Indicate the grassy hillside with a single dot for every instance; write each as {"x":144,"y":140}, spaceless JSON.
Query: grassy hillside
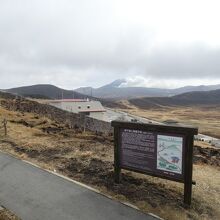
{"x":185,"y":99}
{"x":205,"y":117}
{"x":88,"y":158}
{"x":47,"y":91}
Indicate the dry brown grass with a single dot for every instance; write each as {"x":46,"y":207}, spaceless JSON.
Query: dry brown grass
{"x":7,"y":215}
{"x":88,"y":158}
{"x":206,"y":118}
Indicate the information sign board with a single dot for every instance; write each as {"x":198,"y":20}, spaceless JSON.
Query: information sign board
{"x":157,"y":150}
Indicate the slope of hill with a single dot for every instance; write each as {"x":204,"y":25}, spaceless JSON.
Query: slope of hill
{"x":196,"y":88}
{"x":113,"y":91}
{"x":116,"y":90}
{"x":46,"y":91}
{"x":185,"y":99}
{"x":38,"y":136}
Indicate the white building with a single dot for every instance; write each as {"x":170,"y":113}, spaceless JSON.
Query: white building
{"x":216,"y":143}
{"x":82,"y":106}
{"x":206,"y":138}
{"x":94,"y":109}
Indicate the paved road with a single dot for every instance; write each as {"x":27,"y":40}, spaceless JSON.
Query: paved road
{"x":35,"y":194}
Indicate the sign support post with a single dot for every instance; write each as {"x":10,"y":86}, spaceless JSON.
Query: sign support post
{"x":188,"y":172}
{"x":117,"y":169}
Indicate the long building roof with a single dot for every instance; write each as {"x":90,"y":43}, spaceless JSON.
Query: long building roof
{"x":69,"y":100}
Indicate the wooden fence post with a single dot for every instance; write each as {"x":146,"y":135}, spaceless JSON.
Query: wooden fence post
{"x":4,"y":122}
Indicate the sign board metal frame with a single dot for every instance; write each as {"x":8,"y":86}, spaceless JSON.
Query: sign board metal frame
{"x":187,"y":134}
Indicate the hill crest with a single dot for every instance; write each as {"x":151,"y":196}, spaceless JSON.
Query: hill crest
{"x":185,"y":99}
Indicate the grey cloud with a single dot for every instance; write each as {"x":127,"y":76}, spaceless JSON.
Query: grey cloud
{"x":188,"y":62}
{"x":42,"y":42}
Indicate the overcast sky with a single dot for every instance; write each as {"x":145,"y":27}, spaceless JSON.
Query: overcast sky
{"x":72,"y":43}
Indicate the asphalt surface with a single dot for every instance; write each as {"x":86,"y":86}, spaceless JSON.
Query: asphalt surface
{"x":34,"y":194}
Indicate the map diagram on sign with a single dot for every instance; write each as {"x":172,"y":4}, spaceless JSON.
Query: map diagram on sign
{"x":169,"y":153}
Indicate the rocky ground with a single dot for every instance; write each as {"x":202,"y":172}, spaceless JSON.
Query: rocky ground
{"x":88,"y":157}
{"x":208,"y":155}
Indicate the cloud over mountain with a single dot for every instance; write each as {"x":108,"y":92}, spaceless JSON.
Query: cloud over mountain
{"x":78,"y":43}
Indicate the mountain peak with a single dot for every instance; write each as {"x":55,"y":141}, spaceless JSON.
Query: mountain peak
{"x":118,"y":82}
{"x":114,"y":84}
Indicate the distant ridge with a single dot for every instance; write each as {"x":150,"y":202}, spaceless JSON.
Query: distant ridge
{"x":115,"y":90}
{"x":46,"y":91}
{"x":185,"y":99}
